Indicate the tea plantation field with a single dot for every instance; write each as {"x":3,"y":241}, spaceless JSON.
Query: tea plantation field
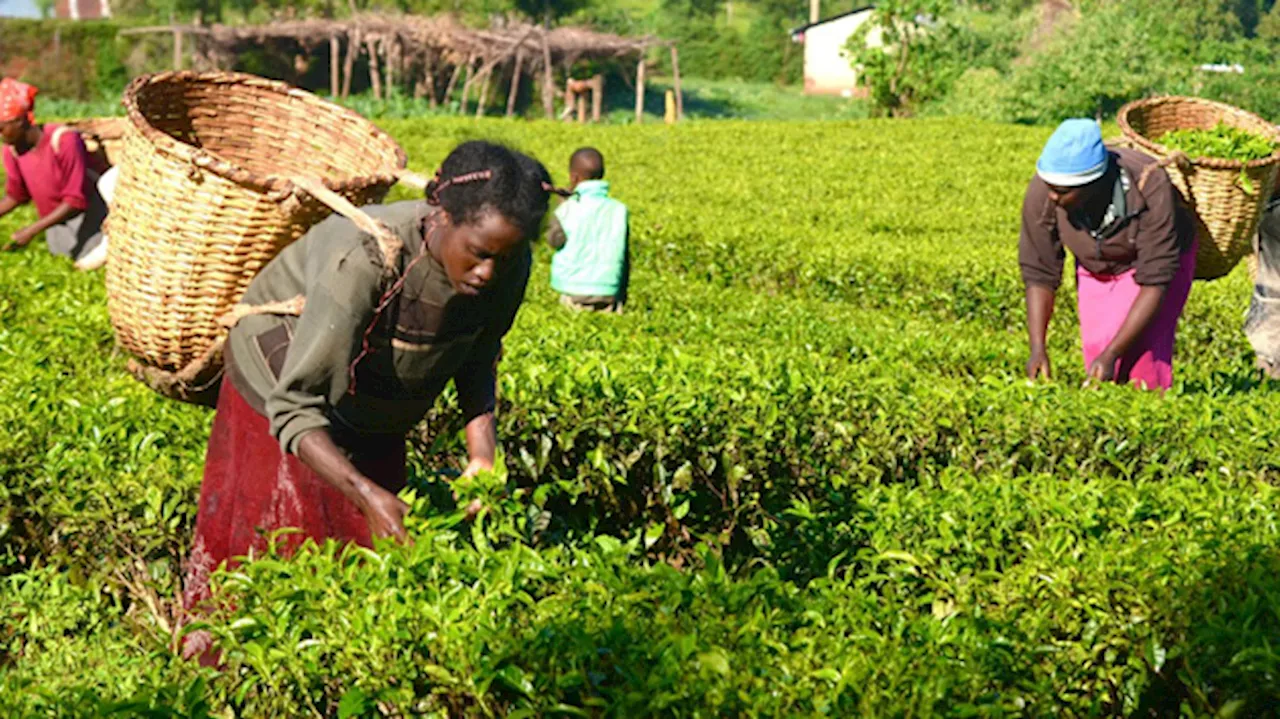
{"x":802,"y":475}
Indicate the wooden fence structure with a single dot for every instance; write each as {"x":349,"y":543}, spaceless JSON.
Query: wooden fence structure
{"x":437,"y":57}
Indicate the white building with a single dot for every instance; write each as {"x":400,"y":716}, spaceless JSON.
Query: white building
{"x":827,"y":67}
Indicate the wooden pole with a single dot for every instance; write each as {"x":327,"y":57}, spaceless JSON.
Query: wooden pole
{"x":466,"y":88}
{"x":349,"y":68}
{"x":640,"y":90}
{"x":484,"y":94}
{"x":548,"y":85}
{"x":375,"y":78}
{"x":420,"y":85}
{"x":597,"y":97}
{"x":390,"y":56}
{"x":335,"y":67}
{"x":675,"y":72}
{"x":582,"y":108}
{"x":568,"y":98}
{"x":177,"y":49}
{"x":815,"y":12}
{"x":453,"y":81}
{"x":430,"y":73}
{"x":514,"y":92}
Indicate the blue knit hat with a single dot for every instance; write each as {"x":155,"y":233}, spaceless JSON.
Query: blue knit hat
{"x":1074,"y":155}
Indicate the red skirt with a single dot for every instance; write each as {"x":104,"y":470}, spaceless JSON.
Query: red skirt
{"x":252,"y":488}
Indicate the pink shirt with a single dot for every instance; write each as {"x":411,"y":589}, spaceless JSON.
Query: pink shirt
{"x":50,"y":178}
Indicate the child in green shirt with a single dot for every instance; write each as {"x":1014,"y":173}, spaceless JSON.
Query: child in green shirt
{"x":589,"y":231}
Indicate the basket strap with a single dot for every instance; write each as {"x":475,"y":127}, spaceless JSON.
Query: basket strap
{"x":1178,"y":158}
{"x":292,"y":306}
{"x":412,"y":179}
{"x":388,"y":243}
{"x":56,"y":141}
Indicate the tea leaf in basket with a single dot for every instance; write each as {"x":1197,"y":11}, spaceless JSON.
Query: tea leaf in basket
{"x":1222,"y":142}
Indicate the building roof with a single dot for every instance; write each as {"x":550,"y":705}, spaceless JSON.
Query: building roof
{"x":800,"y":30}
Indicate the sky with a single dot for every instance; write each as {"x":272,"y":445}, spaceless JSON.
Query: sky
{"x":18,"y":8}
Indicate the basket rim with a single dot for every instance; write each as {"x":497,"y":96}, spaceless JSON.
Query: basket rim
{"x":212,"y":162}
{"x":1213,"y":163}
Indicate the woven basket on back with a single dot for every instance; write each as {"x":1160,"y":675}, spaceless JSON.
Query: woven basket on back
{"x":103,"y":136}
{"x":221,"y":171}
{"x":1226,"y":206}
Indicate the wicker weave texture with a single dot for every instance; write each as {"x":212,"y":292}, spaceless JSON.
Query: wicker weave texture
{"x":205,"y":199}
{"x":1226,"y":208}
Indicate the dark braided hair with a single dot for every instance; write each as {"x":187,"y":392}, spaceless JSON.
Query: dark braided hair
{"x":480,"y":177}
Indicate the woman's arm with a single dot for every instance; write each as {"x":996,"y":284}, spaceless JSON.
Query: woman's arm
{"x":477,"y":384}
{"x":1143,"y":311}
{"x":1039,"y":311}
{"x":383,"y":510}
{"x":8,"y":204}
{"x":482,"y":443}
{"x":60,"y":214}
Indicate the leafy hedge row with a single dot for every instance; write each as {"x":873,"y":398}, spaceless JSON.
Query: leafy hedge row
{"x":755,"y":492}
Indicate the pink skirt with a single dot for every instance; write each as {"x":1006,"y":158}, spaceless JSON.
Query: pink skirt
{"x":1104,"y":303}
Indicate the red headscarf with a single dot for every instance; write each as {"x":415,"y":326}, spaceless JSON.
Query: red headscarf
{"x":16,"y":100}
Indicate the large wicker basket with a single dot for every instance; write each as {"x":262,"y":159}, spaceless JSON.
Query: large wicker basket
{"x":1226,"y":206}
{"x":103,"y":137}
{"x":221,"y":171}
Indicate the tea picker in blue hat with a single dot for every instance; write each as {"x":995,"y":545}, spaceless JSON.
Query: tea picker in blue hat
{"x":1134,"y":247}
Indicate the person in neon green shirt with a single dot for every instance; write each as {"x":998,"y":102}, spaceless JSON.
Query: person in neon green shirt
{"x":589,"y":231}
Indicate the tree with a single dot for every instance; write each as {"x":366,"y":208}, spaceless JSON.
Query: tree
{"x":897,"y":52}
{"x":691,"y":8}
{"x":549,"y":10}
{"x":1269,"y":26}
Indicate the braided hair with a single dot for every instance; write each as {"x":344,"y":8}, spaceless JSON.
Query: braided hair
{"x":480,"y":177}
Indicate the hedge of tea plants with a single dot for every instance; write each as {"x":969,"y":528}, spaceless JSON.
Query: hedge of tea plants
{"x":802,"y":475}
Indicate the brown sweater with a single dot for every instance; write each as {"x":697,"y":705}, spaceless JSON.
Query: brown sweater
{"x":1150,"y":241}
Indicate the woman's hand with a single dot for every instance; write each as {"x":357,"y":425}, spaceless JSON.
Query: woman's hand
{"x":1103,"y":369}
{"x":23,"y":237}
{"x":474,"y":467}
{"x":385,"y":513}
{"x":477,"y":465}
{"x":1038,"y":366}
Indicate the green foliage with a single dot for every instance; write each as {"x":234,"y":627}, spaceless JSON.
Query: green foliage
{"x":64,"y":58}
{"x":802,"y":475}
{"x":1005,"y":61}
{"x":912,"y":52}
{"x":1223,"y":142}
{"x":548,"y":10}
{"x":891,"y":54}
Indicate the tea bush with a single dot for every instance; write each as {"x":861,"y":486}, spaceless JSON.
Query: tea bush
{"x":802,"y":475}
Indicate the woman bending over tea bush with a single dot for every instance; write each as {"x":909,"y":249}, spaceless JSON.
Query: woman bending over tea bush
{"x":48,"y":165}
{"x":313,"y":411}
{"x":1134,"y":246}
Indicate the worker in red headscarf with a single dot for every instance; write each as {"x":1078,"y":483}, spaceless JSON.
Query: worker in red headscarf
{"x":48,"y":165}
